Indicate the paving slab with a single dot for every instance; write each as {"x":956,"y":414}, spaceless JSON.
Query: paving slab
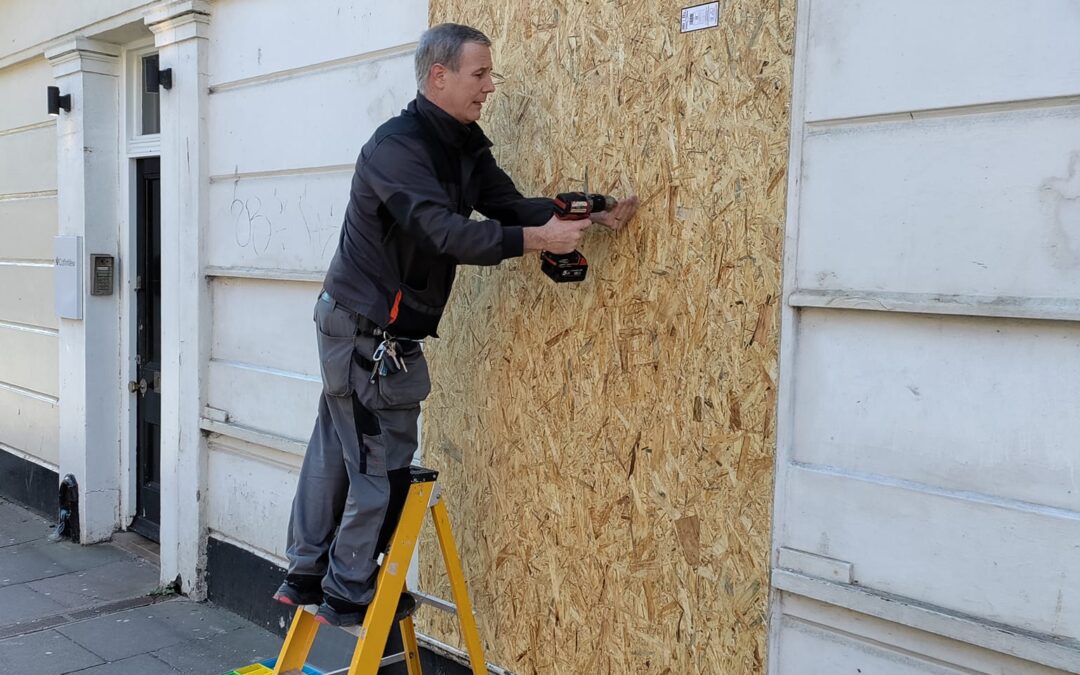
{"x":43,"y":559}
{"x":19,"y":604}
{"x":147,"y":629}
{"x":122,"y":635}
{"x":44,"y":653}
{"x":19,"y":525}
{"x":29,"y":562}
{"x":220,"y":653}
{"x":143,"y":664}
{"x":196,"y":619}
{"x":79,"y":609}
{"x":113,"y":581}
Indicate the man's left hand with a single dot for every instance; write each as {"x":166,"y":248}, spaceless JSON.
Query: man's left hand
{"x":618,"y":216}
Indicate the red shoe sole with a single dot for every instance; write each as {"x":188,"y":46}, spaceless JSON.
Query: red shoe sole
{"x":284,"y":600}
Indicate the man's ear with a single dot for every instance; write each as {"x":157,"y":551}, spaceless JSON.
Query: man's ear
{"x":437,"y":75}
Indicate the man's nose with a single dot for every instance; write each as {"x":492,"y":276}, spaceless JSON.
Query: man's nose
{"x":489,"y":86}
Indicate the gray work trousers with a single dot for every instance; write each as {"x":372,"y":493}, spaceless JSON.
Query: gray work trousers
{"x":354,"y":477}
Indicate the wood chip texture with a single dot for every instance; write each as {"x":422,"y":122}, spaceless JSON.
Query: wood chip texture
{"x":606,"y":448}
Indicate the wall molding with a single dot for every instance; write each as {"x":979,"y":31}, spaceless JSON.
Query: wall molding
{"x":1001,"y":307}
{"x":320,"y":67}
{"x":1026,"y":105}
{"x":20,"y":196}
{"x":1048,"y":650}
{"x":264,"y":274}
{"x":28,"y":127}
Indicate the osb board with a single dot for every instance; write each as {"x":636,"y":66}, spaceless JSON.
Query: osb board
{"x":606,"y":447}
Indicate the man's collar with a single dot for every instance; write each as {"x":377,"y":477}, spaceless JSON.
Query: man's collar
{"x":448,"y":129}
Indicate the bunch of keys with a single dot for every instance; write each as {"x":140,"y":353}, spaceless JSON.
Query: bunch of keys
{"x":387,"y":360}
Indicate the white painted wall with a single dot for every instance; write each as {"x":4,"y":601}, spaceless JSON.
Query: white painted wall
{"x":928,"y":463}
{"x":29,"y":381}
{"x":259,"y":135}
{"x":291,"y":104}
{"x":33,"y":24}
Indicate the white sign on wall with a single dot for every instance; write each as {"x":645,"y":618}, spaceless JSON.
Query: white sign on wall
{"x":699,"y":17}
{"x":67,"y":276}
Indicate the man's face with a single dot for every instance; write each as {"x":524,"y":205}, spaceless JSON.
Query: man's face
{"x":462,"y":93}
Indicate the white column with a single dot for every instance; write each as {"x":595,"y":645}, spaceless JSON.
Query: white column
{"x":88,"y":195}
{"x":180,"y":34}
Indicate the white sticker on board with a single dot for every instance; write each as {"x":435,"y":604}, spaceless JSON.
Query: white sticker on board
{"x":67,"y":276}
{"x":700,"y":16}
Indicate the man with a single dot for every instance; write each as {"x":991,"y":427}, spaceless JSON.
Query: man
{"x":406,"y":229}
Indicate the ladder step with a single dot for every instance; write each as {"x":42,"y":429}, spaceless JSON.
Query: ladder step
{"x":351,"y":630}
{"x":433,"y":601}
{"x":419,"y":474}
{"x":386,"y":661}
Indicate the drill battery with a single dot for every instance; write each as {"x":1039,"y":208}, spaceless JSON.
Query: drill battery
{"x":565,"y":267}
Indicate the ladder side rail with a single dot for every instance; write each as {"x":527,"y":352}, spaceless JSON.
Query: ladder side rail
{"x":390,"y":583}
{"x":469,"y":631}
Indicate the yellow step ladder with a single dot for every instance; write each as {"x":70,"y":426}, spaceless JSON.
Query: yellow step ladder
{"x":424,"y":494}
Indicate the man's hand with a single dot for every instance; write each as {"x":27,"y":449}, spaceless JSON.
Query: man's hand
{"x":557,"y":236}
{"x":618,"y":216}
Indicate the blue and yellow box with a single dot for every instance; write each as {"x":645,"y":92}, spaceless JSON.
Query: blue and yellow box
{"x":267,"y":667}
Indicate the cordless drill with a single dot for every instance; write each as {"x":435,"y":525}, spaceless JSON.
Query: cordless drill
{"x":563,"y":267}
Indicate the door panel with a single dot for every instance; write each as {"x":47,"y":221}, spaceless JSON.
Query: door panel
{"x":148,"y":358}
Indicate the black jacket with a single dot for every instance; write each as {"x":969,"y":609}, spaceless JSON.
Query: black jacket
{"x":407,"y":225}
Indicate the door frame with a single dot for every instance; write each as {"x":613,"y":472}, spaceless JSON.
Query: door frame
{"x":132,"y":149}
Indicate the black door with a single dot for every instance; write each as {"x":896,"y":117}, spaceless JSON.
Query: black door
{"x":148,"y":356}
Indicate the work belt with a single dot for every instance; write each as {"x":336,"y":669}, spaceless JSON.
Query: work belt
{"x":364,"y":326}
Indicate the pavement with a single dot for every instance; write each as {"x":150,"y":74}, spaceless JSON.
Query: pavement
{"x":98,"y":610}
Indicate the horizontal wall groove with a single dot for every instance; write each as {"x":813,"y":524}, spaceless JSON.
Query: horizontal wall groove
{"x":17,"y":196}
{"x":30,"y":328}
{"x":1033,"y":104}
{"x":264,"y":274}
{"x":1049,"y":650}
{"x":267,"y":370}
{"x":322,"y":66}
{"x":832,"y":630}
{"x":28,"y":262}
{"x":29,"y":393}
{"x":969,"y":496}
{"x":28,"y":127}
{"x":274,"y":173}
{"x":280,"y":450}
{"x":1003,"y":307}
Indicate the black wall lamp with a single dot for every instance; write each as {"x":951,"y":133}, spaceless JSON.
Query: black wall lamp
{"x":154,"y":77}
{"x":56,"y":101}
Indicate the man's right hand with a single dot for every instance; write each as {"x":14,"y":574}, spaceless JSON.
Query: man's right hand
{"x":557,"y":236}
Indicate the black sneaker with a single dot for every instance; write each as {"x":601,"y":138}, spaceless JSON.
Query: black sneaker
{"x":297,"y":593}
{"x":336,"y":612}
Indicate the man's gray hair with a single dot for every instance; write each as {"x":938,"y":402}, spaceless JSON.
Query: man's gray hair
{"x":443,"y":44}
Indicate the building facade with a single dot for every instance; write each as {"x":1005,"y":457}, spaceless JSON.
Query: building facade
{"x":927,"y":513}
{"x":164,"y":236}
{"x":207,"y":154}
